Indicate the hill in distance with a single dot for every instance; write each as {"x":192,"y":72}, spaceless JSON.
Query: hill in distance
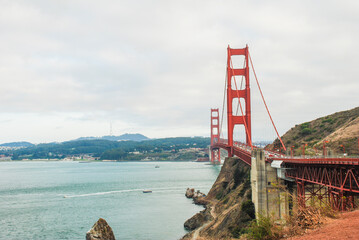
{"x":340,"y":129}
{"x":17,"y":144}
{"x":137,"y":137}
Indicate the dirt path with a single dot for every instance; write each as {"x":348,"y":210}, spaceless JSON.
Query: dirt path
{"x":214,"y":215}
{"x":346,"y":227}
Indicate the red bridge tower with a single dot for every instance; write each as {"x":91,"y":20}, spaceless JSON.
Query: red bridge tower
{"x":245,"y":118}
{"x":215,"y":152}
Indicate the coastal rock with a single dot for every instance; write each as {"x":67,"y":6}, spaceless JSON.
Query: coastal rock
{"x":197,"y":196}
{"x":100,"y":231}
{"x":189,"y":193}
{"x":198,"y":220}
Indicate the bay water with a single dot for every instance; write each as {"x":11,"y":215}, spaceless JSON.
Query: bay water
{"x":62,"y":200}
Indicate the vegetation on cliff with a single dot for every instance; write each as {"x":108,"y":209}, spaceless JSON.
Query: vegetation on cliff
{"x":229,"y":209}
{"x":340,"y":129}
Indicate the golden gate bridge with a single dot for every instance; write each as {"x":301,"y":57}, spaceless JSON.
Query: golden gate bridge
{"x":336,"y":178}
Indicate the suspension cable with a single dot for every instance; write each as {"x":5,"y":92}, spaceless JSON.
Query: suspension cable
{"x":244,"y":64}
{"x":224,"y":99}
{"x":265,"y":104}
{"x":240,"y":105}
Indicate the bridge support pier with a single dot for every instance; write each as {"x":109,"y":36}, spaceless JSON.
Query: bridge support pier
{"x":267,"y":196}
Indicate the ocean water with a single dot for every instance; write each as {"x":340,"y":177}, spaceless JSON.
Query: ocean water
{"x":62,"y":200}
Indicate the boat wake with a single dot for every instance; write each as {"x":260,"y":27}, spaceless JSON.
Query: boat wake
{"x":167,"y":189}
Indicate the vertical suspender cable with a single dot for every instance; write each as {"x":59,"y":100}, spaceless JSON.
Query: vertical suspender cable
{"x":244,"y":64}
{"x":265,"y":104}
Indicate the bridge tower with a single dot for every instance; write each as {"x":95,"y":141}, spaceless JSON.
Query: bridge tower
{"x":245,"y":118}
{"x":215,"y":152}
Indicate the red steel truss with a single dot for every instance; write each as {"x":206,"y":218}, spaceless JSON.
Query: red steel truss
{"x":341,"y":182}
{"x":215,"y":151}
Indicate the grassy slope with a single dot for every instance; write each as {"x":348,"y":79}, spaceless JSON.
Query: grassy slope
{"x":341,"y":128}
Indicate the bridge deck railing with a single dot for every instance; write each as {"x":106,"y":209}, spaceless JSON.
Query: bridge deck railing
{"x":272,"y":155}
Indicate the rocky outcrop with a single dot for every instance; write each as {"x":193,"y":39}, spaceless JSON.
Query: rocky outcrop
{"x":100,"y":231}
{"x":229,"y":203}
{"x":198,"y":220}
{"x":189,"y":193}
{"x":197,"y":196}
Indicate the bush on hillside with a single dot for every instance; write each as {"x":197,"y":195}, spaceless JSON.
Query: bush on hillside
{"x":306,"y":131}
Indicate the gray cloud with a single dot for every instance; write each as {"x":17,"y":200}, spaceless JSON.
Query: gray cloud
{"x":157,"y":67}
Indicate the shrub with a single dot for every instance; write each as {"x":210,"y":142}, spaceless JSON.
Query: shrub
{"x":328,"y":120}
{"x":245,"y":187}
{"x":304,"y":125}
{"x":248,"y":207}
{"x":306,"y":131}
{"x":219,"y":195}
{"x":264,"y":228}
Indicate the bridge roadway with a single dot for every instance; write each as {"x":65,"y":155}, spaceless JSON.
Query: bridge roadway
{"x":339,"y":174}
{"x":243,"y":151}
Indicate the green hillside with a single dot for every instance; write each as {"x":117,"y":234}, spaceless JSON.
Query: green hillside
{"x":340,"y":129}
{"x":178,"y":148}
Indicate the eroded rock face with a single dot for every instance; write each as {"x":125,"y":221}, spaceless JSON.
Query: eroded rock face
{"x":198,"y":220}
{"x":100,"y":231}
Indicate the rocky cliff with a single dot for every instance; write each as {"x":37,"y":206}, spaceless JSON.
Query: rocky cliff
{"x":229,"y":208}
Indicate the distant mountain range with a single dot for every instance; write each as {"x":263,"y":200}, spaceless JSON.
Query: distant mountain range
{"x":137,"y":137}
{"x":17,"y":144}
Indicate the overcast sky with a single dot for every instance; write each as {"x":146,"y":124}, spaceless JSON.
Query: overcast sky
{"x":69,"y":68}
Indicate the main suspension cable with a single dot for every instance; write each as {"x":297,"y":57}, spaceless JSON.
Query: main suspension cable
{"x":224,"y":99}
{"x":265,"y":104}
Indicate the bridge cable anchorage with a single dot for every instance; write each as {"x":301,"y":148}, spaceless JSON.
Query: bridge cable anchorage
{"x":239,"y":101}
{"x":264,"y":101}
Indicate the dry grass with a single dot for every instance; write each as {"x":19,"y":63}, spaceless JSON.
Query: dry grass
{"x":296,"y":223}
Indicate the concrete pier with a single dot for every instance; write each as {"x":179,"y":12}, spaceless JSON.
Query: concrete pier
{"x":267,"y":195}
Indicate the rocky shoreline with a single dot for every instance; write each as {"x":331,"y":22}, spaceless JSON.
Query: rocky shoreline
{"x":228,"y":206}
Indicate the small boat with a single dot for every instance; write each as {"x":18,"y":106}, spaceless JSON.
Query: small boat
{"x":157,"y":166}
{"x":147,"y":191}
